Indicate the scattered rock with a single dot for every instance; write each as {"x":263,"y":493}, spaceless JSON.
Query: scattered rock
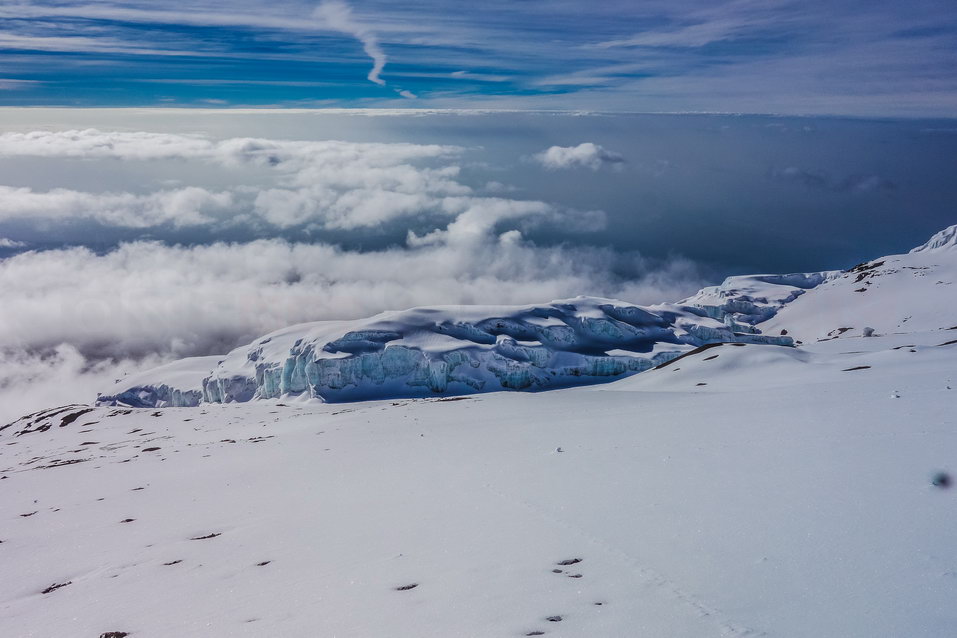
{"x":263,"y":564}
{"x":942,"y":480}
{"x":128,"y":520}
{"x":150,"y":449}
{"x":855,"y":368}
{"x":202,"y":538}
{"x":114,"y":634}
{"x":407,"y":587}
{"x":173,"y":562}
{"x":30,"y":514}
{"x":56,"y":586}
{"x":554,"y":619}
{"x":569,"y":561}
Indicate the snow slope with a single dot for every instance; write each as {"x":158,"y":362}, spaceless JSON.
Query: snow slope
{"x":912,"y":292}
{"x":786,"y":497}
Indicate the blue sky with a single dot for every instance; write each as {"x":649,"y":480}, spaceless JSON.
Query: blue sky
{"x":880,"y":59}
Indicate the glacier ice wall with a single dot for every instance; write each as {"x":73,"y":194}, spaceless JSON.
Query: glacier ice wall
{"x":449,"y":351}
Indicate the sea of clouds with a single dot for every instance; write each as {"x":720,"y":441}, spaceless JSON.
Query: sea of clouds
{"x":76,"y":317}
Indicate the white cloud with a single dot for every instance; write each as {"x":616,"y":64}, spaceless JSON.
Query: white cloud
{"x":145,"y":297}
{"x":61,"y":375}
{"x":6,"y":242}
{"x":69,"y":315}
{"x":189,"y":206}
{"x":585,"y":155}
{"x":337,"y":15}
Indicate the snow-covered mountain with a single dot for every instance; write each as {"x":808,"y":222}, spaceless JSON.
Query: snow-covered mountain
{"x":456,"y":350}
{"x":738,"y":488}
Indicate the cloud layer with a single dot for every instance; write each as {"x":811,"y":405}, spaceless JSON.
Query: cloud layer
{"x":72,"y":316}
{"x":585,"y":155}
{"x":327,"y":184}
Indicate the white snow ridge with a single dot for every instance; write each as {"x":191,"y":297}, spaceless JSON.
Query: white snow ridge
{"x":773,"y":457}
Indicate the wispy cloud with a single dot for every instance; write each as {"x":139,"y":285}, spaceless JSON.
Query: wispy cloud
{"x":337,"y":15}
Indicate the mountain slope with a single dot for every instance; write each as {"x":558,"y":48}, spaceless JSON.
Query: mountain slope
{"x":912,"y":292}
{"x":735,"y":489}
{"x":784,"y":498}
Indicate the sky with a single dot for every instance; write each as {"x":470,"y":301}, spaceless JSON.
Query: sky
{"x":837,"y":57}
{"x":177,"y":179}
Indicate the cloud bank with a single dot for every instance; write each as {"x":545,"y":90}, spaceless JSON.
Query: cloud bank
{"x":585,"y":155}
{"x":72,"y":316}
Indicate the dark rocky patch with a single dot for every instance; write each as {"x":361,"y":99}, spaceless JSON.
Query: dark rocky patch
{"x":114,"y":634}
{"x":574,"y":575}
{"x":173,"y":562}
{"x":208,"y":536}
{"x":855,"y":368}
{"x":263,"y":564}
{"x":70,"y":418}
{"x":569,"y":561}
{"x":535,"y":633}
{"x":150,"y":449}
{"x":128,"y":520}
{"x":407,"y":587}
{"x":56,"y":586}
{"x":554,"y":619}
{"x":30,"y":514}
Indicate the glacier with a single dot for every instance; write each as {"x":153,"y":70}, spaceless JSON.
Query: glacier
{"x":446,"y":350}
{"x":457,"y":350}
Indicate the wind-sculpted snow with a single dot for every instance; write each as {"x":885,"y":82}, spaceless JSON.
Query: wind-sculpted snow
{"x":946,"y":238}
{"x":743,"y":301}
{"x":449,"y":350}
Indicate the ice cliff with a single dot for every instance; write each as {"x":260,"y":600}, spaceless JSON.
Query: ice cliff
{"x":446,"y":350}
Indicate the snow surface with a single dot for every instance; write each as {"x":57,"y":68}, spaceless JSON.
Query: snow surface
{"x":914,"y":292}
{"x":787,"y":497}
{"x":735,"y":490}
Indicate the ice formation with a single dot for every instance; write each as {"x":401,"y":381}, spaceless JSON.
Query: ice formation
{"x":452,"y":350}
{"x":443,"y":351}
